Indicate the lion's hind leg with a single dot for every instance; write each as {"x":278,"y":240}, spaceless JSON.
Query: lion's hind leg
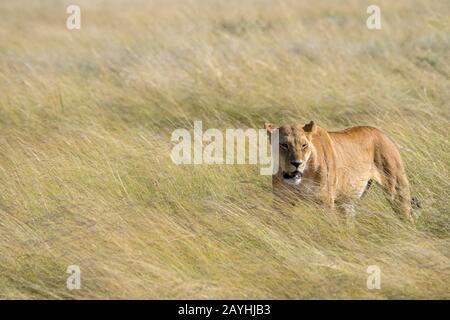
{"x":392,"y":177}
{"x":399,"y":197}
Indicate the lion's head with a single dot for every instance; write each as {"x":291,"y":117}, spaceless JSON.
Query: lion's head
{"x":295,"y":149}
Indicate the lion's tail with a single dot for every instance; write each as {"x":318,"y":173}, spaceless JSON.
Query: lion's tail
{"x":415,"y":203}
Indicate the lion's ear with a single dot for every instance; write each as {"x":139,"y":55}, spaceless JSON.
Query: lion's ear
{"x":269,"y":127}
{"x":310,"y":127}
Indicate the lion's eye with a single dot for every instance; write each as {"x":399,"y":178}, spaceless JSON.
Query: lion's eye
{"x":284,"y":145}
{"x":304,"y":145}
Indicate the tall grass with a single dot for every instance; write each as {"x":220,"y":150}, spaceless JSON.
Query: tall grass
{"x":85,"y":170}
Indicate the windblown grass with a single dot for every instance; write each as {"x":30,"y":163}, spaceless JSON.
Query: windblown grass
{"x":85,"y":170}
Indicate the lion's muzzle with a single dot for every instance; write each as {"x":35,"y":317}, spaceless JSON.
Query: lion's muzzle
{"x":293,"y":178}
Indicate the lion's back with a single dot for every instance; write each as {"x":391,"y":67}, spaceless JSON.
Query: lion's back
{"x":360,"y":139}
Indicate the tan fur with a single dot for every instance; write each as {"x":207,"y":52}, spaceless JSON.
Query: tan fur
{"x":339,"y":166}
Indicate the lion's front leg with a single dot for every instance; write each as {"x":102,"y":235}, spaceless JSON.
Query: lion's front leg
{"x":282,"y":197}
{"x":327,"y":197}
{"x":347,"y":208}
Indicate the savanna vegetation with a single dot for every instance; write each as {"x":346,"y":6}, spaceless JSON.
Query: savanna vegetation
{"x":86,"y":118}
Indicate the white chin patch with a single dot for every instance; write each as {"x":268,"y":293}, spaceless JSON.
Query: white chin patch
{"x":293,"y":181}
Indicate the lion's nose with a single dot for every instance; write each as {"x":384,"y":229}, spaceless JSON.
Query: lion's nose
{"x":296,"y":163}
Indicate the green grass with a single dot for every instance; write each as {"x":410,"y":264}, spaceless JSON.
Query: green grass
{"x":85,"y":169}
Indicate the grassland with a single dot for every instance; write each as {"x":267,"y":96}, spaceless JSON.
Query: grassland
{"x":85,"y":172}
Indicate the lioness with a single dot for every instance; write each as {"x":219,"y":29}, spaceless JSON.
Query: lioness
{"x":340,"y":166}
